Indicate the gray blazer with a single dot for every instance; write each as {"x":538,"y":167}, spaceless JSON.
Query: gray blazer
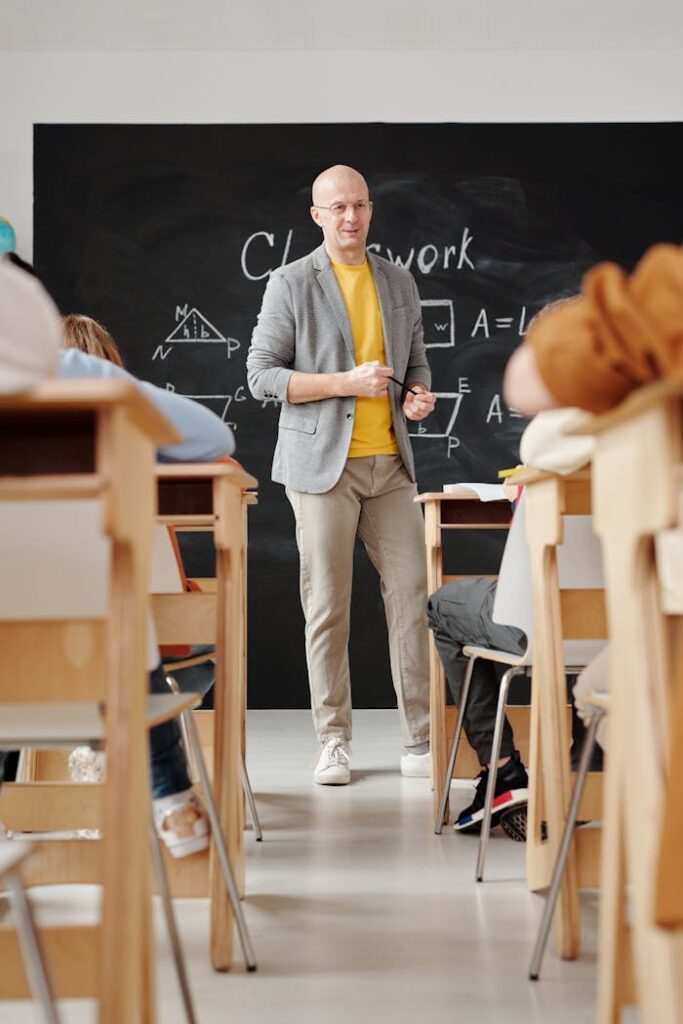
{"x":303,"y":325}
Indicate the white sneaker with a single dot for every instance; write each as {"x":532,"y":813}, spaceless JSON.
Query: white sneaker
{"x":181,"y":823}
{"x":333,"y":767}
{"x":416,"y":766}
{"x":87,"y":765}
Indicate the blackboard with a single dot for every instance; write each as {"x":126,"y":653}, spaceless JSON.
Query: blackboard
{"x":167,"y":233}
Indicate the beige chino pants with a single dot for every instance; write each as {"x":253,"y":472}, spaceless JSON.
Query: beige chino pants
{"x":374,"y":499}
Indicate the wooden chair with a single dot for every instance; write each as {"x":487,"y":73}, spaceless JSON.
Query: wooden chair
{"x":668,"y":895}
{"x":12,"y":856}
{"x":636,"y":494}
{"x":166,"y":576}
{"x":599,"y":708}
{"x":214,"y":496}
{"x":566,"y":608}
{"x":444,"y":512}
{"x":91,"y":442}
{"x":512,"y":607}
{"x":578,"y":560}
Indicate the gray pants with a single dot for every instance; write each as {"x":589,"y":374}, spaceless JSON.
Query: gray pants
{"x":460,"y":613}
{"x":374,"y":499}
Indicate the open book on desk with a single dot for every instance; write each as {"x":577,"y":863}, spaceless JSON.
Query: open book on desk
{"x":485,"y":492}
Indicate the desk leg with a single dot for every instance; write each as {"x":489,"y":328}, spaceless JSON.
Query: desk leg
{"x":614,"y":956}
{"x":242,"y":605}
{"x":228,"y":715}
{"x":437,"y":679}
{"x":544,"y":530}
{"x":125,"y":975}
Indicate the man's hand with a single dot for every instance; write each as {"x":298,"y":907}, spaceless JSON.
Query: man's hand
{"x":369,"y":380}
{"x":416,"y":407}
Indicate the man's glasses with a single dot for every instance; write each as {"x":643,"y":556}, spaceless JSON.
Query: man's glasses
{"x":338,"y":209}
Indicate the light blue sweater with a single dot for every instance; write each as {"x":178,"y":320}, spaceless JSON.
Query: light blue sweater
{"x":205,"y":436}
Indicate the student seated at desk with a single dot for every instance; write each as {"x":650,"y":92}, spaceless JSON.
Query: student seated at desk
{"x":461,"y":614}
{"x":622,"y":332}
{"x":89,"y":336}
{"x":180,"y":819}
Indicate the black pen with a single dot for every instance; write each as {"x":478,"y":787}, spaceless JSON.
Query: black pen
{"x":404,"y":386}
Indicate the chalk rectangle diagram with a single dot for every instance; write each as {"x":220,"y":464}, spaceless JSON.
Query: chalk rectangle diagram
{"x":438,"y":319}
{"x":423,"y":430}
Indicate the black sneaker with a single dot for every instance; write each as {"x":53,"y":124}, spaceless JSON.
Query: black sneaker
{"x":509,"y":800}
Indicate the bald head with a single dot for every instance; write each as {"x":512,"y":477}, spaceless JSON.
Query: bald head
{"x":339,"y":178}
{"x":342,"y":210}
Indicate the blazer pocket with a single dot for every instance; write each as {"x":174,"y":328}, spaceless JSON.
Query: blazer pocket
{"x":299,"y":418}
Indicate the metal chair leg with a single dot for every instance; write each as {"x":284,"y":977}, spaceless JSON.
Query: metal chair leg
{"x":221,"y":846}
{"x":167,"y":902}
{"x":192,"y":766}
{"x":495,"y":755}
{"x":32,"y":950}
{"x":248,"y":792}
{"x":455,"y":743}
{"x":194,"y":772}
{"x":565,"y":845}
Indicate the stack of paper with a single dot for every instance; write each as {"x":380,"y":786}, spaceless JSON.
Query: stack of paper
{"x":485,"y":492}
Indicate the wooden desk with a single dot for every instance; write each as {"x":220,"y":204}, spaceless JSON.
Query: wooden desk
{"x":214,"y":496}
{"x":94,"y":439}
{"x":449,"y":512}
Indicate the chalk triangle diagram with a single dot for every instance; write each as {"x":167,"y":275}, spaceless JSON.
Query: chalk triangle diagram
{"x":195,"y":327}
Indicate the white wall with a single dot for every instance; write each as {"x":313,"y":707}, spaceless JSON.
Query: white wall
{"x":444,"y":60}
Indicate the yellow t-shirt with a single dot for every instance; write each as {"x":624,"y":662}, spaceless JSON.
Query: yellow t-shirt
{"x":372,"y":427}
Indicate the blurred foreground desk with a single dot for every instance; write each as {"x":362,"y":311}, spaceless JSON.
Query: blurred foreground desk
{"x":92,"y":442}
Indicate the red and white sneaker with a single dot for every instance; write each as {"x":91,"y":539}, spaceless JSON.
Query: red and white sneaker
{"x":510,"y":795}
{"x":181,"y":823}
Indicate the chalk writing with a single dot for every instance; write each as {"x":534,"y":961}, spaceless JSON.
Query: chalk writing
{"x":425,"y":430}
{"x":497,"y":409}
{"x":438,"y":321}
{"x":264,"y":251}
{"x":248,"y":270}
{"x":194,"y":327}
{"x":224,"y":401}
{"x":482,"y":324}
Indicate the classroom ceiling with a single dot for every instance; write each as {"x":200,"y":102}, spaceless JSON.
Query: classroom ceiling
{"x":309,"y":25}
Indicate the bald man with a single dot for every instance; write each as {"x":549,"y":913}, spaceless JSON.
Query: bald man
{"x":334,"y":328}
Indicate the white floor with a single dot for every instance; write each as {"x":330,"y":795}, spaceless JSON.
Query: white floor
{"x":359,"y":913}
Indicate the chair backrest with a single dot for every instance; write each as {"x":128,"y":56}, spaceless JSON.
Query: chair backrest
{"x":55,"y":560}
{"x":579,"y":564}
{"x":54,"y":585}
{"x":513,"y":604}
{"x":54,"y":600}
{"x":167,"y":575}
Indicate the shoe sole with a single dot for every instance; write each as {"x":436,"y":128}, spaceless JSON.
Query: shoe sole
{"x":186,"y":847}
{"x":503,"y":804}
{"x":416,"y":773}
{"x":332,"y":782}
{"x":513,"y":823}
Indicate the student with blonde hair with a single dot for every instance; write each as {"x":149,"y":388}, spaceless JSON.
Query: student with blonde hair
{"x":89,"y":336}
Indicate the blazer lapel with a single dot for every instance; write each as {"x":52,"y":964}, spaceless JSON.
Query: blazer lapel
{"x":328,"y":283}
{"x":384,"y":307}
